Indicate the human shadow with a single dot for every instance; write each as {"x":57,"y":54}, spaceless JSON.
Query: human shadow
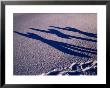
{"x":62,"y":35}
{"x":77,"y":30}
{"x":63,"y":47}
{"x":53,"y":31}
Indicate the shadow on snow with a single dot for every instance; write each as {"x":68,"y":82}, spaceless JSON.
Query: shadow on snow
{"x":64,"y":47}
{"x":62,"y":35}
{"x":76,"y":30}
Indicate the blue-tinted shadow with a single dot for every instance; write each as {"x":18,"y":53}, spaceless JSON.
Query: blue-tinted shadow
{"x":62,"y":35}
{"x":77,"y":30}
{"x":53,"y":31}
{"x":63,"y":47}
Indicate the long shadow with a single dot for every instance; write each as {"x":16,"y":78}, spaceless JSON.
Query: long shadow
{"x":83,"y":48}
{"x":64,"y":47}
{"x":53,"y":31}
{"x":77,"y":30}
{"x":62,"y":35}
